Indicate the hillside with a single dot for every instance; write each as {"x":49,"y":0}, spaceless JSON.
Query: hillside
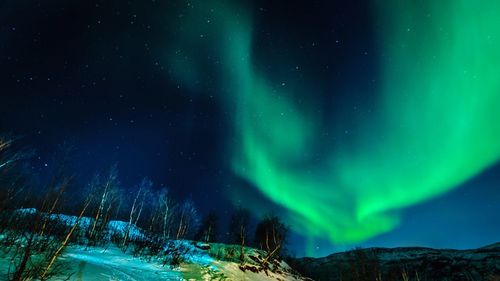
{"x":95,"y":264}
{"x":142,"y":259}
{"x":98,"y":264}
{"x":410,"y":263}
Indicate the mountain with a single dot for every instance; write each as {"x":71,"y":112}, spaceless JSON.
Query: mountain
{"x":409,"y":263}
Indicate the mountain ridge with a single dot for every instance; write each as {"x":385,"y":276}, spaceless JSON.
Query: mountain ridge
{"x":409,"y":263}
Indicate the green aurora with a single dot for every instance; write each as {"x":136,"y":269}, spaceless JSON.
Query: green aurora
{"x":434,"y":126}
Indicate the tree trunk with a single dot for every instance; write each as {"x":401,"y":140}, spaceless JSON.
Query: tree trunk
{"x":242,"y":239}
{"x":24,"y":262}
{"x":64,"y":243}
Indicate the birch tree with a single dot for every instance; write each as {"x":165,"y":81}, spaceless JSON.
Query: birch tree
{"x":106,"y":190}
{"x":238,"y":229}
{"x":187,"y":219}
{"x":270,"y":235}
{"x":165,"y":204}
{"x":161,"y":214}
{"x":208,"y":229}
{"x":143,"y":192}
{"x":64,"y":243}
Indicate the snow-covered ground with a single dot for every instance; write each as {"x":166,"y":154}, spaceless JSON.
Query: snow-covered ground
{"x":113,"y":226}
{"x":98,"y":264}
{"x":111,"y":263}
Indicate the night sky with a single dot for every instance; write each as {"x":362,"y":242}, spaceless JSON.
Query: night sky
{"x":361,"y":123}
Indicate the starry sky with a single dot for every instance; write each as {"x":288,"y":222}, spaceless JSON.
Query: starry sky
{"x":361,"y":123}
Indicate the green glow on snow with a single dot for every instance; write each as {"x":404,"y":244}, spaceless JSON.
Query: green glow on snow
{"x":435,"y":124}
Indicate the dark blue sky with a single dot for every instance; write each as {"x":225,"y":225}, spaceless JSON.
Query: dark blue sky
{"x":91,"y":74}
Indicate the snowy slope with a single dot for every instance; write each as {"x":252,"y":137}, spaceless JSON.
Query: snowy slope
{"x":98,"y":264}
{"x":111,"y":263}
{"x":113,"y":226}
{"x":427,"y":263}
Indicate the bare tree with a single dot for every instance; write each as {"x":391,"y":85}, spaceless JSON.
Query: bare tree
{"x":238,"y":229}
{"x":9,"y":156}
{"x":187,"y":219}
{"x":12,"y":177}
{"x":40,"y":238}
{"x":165,"y":204}
{"x":270,"y":235}
{"x":143,"y":191}
{"x":154,"y":218}
{"x":46,"y":272}
{"x":53,"y":200}
{"x":30,"y":226}
{"x":161,"y":214}
{"x":106,"y":190}
{"x":208,"y":228}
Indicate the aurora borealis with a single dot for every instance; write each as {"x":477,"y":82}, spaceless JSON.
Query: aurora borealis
{"x":359,"y":123}
{"x":433,"y":128}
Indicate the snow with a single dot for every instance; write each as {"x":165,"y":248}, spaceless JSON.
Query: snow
{"x":111,"y":263}
{"x":193,"y":254}
{"x":113,"y":227}
{"x":98,"y":264}
{"x":232,"y":271}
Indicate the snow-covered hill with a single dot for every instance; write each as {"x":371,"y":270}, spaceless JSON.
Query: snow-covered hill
{"x":95,"y":264}
{"x":193,"y":260}
{"x":413,"y":263}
